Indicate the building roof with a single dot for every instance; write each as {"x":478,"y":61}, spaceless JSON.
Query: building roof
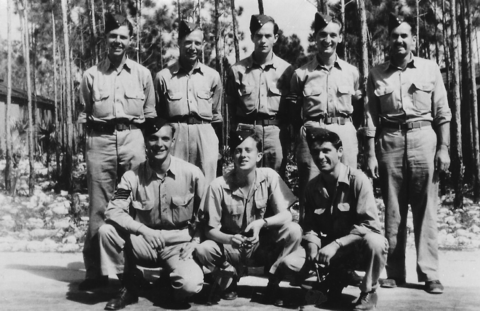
{"x":22,"y":95}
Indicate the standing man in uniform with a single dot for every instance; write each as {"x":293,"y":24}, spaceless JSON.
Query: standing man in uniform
{"x":164,"y":193}
{"x":247,"y":218}
{"x":326,"y":89}
{"x":189,"y":96}
{"x":408,"y":114}
{"x":118,"y":97}
{"x":257,"y":87}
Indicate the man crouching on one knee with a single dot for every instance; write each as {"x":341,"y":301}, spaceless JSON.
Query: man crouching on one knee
{"x":341,"y":227}
{"x":148,"y":222}
{"x":253,"y":202}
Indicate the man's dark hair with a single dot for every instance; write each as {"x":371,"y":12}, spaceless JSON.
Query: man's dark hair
{"x":320,"y":136}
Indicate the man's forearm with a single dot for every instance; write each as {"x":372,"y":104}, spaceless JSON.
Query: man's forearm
{"x":348,"y":239}
{"x":279,"y":219}
{"x":218,"y":236}
{"x":443,"y":135}
{"x":370,"y":146}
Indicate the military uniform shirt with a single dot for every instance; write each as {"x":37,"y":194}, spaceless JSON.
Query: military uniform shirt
{"x":182,"y":94}
{"x":416,"y":93}
{"x":167,"y":204}
{"x":322,"y":91}
{"x":126,"y":93}
{"x":227,"y":208}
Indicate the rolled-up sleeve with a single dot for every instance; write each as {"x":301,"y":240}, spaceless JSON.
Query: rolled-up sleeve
{"x":371,"y":108}
{"x":149,"y":91}
{"x":281,"y":197}
{"x":211,"y":206}
{"x":367,"y":215}
{"x":440,"y":111}
{"x":85,"y":97}
{"x":217,"y":97}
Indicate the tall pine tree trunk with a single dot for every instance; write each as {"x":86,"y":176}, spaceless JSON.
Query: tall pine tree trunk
{"x":93,"y":33}
{"x":235,"y":35}
{"x":8,"y":138}
{"x":69,"y":124}
{"x":474,"y":109}
{"x":56,"y":111}
{"x":457,"y":155}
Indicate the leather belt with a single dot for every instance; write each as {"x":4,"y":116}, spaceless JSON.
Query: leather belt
{"x":188,"y":120}
{"x":259,"y":120}
{"x":331,"y":120}
{"x":111,"y":127}
{"x":405,"y":126}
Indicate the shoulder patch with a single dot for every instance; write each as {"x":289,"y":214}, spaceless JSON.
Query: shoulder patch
{"x":121,"y":194}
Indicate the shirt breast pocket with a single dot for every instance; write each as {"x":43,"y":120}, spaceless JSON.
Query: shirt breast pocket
{"x":275,"y":95}
{"x":182,"y":209}
{"x":344,"y":94}
{"x":422,"y":95}
{"x":311,"y":95}
{"x":386,"y":97}
{"x":247,"y":95}
{"x":143,"y":211}
{"x":260,"y":208}
{"x":176,"y":104}
{"x":135,"y":100}
{"x":205,"y":103}
{"x":101,"y":106}
{"x":233,"y":218}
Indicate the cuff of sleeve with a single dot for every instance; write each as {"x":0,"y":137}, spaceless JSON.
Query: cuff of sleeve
{"x":136,"y":227}
{"x":370,"y":132}
{"x":312,"y":238}
{"x":439,"y":121}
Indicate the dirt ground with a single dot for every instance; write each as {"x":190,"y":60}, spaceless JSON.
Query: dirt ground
{"x":48,"y":281}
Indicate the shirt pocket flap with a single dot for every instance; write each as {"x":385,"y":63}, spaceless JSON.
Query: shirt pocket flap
{"x":174,"y":95}
{"x":344,"y":207}
{"x":134,"y":94}
{"x":345,"y":89}
{"x":245,"y":90}
{"x":182,"y":201}
{"x":204,"y":94}
{"x":383,"y":90}
{"x":141,"y":206}
{"x":311,"y":91}
{"x":426,"y":87}
{"x":274,"y":89}
{"x":100,"y":95}
{"x":319,"y":211}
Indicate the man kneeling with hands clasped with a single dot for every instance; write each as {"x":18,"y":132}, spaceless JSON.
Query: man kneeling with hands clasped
{"x":341,"y":228}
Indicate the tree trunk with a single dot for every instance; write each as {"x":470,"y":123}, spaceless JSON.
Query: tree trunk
{"x":260,"y":7}
{"x":8,"y":138}
{"x":93,"y":33}
{"x":56,"y":110}
{"x":417,"y":31}
{"x":137,"y":18}
{"x":344,"y":41}
{"x":235,"y":37}
{"x":364,"y":45}
{"x":474,"y":109}
{"x":457,"y":156}
{"x":199,"y":21}
{"x":179,"y":11}
{"x":68,"y":154}
{"x":30,"y":139}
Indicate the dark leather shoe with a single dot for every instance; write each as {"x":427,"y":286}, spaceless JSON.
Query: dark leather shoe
{"x":124,"y":298}
{"x":392,"y":282}
{"x":366,"y":301}
{"x":273,"y":295}
{"x":89,"y":284}
{"x":434,"y":287}
{"x":231,"y":292}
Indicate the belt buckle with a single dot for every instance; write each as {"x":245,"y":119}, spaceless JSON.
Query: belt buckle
{"x":328,"y":120}
{"x":410,"y":125}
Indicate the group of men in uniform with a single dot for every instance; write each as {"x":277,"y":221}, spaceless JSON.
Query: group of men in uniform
{"x":152,"y":151}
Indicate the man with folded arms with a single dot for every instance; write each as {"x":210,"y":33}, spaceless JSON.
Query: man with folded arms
{"x":150,"y":221}
{"x":409,"y":119}
{"x":341,"y":229}
{"x":118,"y":98}
{"x":189,"y":96}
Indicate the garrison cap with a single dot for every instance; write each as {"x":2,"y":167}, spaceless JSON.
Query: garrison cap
{"x":394,"y":20}
{"x":113,"y":21}
{"x":185,"y":28}
{"x":257,"y":22}
{"x":322,"y":20}
{"x":313,"y":134}
{"x":152,"y":125}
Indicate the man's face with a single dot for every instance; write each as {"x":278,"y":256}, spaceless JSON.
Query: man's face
{"x":158,"y":144}
{"x":246,"y":155}
{"x":402,"y":42}
{"x":264,"y":39}
{"x":191,"y":46}
{"x":118,"y":41}
{"x":325,"y":156}
{"x":328,"y":38}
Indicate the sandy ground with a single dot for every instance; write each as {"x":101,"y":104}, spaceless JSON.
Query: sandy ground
{"x":48,"y":281}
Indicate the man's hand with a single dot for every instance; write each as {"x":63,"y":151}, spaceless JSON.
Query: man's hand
{"x":237,"y":240}
{"x":187,"y":250}
{"x":442,"y":159}
{"x":326,"y":253}
{"x":312,"y":251}
{"x":153,"y":237}
{"x":255,"y":226}
{"x":372,"y":166}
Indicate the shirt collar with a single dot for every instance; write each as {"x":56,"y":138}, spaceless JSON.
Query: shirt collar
{"x":410,"y":64}
{"x":273,"y":62}
{"x":176,"y":68}
{"x":316,"y":64}
{"x":172,"y":169}
{"x":260,"y":177}
{"x":104,"y":66}
{"x":343,"y":177}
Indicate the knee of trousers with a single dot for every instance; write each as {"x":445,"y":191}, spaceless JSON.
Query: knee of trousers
{"x":376,"y":243}
{"x":187,"y":281}
{"x":204,"y":253}
{"x":293,"y":262}
{"x":106,"y":233}
{"x":293,"y":232}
